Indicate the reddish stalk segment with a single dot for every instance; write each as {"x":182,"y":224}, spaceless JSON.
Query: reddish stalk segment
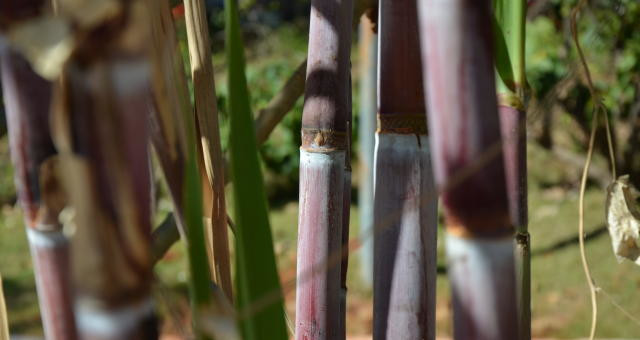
{"x":319,"y":240}
{"x":322,"y":171}
{"x":405,"y":211}
{"x":514,"y":136}
{"x":458,"y":58}
{"x":27,"y":99}
{"x":513,"y":125}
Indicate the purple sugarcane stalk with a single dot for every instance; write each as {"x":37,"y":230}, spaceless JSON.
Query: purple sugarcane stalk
{"x":465,"y":134}
{"x":405,"y":199}
{"x":322,"y":171}
{"x":513,"y":124}
{"x":27,"y":101}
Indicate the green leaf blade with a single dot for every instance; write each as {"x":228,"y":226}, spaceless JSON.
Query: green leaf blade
{"x":259,"y":297}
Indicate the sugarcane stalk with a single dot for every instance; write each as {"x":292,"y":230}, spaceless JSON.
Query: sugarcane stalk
{"x":368,"y":49}
{"x":510,"y":20}
{"x":207,"y":114}
{"x":27,"y":101}
{"x":104,"y":99}
{"x":322,"y":176}
{"x":465,"y":134}
{"x":266,"y":121}
{"x":405,"y":211}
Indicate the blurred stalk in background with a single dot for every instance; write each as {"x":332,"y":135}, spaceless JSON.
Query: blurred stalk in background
{"x":465,"y":135}
{"x":102,"y":132}
{"x":405,"y":213}
{"x":27,"y":99}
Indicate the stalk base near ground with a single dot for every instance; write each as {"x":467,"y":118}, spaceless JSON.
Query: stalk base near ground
{"x":319,"y":244}
{"x":50,"y":256}
{"x":482,"y":275}
{"x":98,"y":322}
{"x":405,"y":217}
{"x":346,"y":215}
{"x":523,"y":288}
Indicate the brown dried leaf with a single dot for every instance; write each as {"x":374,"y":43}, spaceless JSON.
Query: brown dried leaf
{"x":54,"y":197}
{"x":47,"y":42}
{"x":90,"y":13}
{"x":623,"y":220}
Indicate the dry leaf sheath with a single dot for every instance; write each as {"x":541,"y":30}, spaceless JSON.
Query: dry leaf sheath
{"x":209,"y":146}
{"x":106,"y":171}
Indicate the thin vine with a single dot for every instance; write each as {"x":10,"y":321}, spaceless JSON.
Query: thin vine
{"x":599,"y":108}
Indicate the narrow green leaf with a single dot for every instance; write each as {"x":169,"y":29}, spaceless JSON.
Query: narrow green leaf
{"x":259,"y":296}
{"x":197,"y":254}
{"x":509,"y":29}
{"x":504,"y":81}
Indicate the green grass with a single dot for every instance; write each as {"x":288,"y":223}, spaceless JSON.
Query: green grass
{"x":560,"y":295}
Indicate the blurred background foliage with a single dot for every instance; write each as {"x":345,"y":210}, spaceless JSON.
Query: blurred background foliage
{"x":559,"y":116}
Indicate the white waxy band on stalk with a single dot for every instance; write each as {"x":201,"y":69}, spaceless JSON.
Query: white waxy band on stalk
{"x":46,"y":239}
{"x":130,"y":76}
{"x":110,"y":323}
{"x":320,"y":159}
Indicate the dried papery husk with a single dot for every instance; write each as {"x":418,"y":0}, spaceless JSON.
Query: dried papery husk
{"x":47,"y":42}
{"x":210,"y":150}
{"x":170,"y":104}
{"x":623,"y":220}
